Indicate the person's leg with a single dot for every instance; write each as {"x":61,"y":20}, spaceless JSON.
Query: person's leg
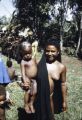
{"x":31,"y":104}
{"x":33,"y":95}
{"x":26,"y":102}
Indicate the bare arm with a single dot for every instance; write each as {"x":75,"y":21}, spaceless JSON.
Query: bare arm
{"x":25,"y":78}
{"x":22,"y":71}
{"x":64,"y":88}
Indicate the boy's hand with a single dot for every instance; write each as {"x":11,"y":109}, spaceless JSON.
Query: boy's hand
{"x":64,"y":105}
{"x":27,"y":83}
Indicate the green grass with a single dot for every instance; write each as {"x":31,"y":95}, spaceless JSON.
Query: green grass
{"x":74,"y":95}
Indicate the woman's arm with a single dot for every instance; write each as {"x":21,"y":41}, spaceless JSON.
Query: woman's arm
{"x":64,"y":88}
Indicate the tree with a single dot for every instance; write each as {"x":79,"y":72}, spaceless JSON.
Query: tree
{"x":34,"y":14}
{"x":79,"y":45}
{"x":3,"y":20}
{"x":46,"y":18}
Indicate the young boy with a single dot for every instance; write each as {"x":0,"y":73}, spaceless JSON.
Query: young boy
{"x":11,"y":70}
{"x":29,"y":71}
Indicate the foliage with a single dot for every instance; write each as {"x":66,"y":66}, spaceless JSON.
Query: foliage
{"x":37,"y":15}
{"x":73,"y":2}
{"x":45,"y":21}
{"x":3,"y":20}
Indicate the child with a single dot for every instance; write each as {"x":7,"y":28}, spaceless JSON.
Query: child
{"x":4,"y":101}
{"x":11,"y":70}
{"x":29,"y":71}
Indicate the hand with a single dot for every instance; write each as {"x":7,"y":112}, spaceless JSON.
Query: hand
{"x":27,"y":84}
{"x":2,"y":102}
{"x":64,"y":105}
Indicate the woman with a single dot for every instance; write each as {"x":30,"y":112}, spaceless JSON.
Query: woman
{"x":51,"y":81}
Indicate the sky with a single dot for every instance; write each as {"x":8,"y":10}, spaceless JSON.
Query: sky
{"x":6,"y":8}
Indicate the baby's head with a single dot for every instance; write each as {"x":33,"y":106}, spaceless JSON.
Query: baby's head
{"x":26,"y":50}
{"x":9,"y":63}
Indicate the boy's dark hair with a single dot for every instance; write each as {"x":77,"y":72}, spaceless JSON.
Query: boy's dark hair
{"x":21,"y":49}
{"x":24,"y":44}
{"x":9,"y":63}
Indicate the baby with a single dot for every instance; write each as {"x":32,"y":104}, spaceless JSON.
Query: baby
{"x":29,"y":71}
{"x":11,"y":70}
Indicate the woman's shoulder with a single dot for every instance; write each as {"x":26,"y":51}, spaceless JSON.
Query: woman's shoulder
{"x":62,"y":66}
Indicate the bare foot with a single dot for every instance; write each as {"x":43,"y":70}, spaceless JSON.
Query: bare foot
{"x":27,"y":109}
{"x":32,"y":109}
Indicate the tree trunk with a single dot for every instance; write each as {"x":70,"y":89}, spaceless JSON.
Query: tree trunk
{"x":61,"y":40}
{"x":78,"y":45}
{"x":80,"y":37}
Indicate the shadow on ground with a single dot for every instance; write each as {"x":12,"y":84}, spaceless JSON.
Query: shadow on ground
{"x":22,"y":115}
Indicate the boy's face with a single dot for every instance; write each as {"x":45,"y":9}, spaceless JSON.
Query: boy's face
{"x":27,"y":53}
{"x":51,"y":53}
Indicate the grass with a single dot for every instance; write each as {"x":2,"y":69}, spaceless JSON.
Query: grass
{"x":74,"y":95}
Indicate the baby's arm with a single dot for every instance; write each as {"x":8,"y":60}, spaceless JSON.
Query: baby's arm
{"x":25,"y":78}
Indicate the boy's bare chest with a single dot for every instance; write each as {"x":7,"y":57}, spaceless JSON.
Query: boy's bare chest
{"x":29,"y":64}
{"x":31,"y":69}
